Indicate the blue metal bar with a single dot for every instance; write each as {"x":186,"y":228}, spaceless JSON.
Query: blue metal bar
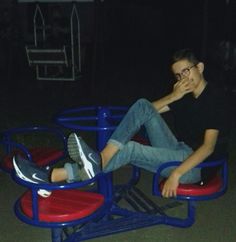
{"x":103,"y":135}
{"x":222,"y":163}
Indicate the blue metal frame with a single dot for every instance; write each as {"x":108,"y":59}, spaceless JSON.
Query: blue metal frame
{"x":57,"y":227}
{"x":191,"y":200}
{"x":10,"y":144}
{"x":116,"y":219}
{"x":106,"y":120}
{"x":224,"y":174}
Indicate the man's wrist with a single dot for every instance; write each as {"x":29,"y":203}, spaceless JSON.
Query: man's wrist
{"x":173,"y":97}
{"x":176,"y":174}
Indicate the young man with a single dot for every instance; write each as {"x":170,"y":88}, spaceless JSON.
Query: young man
{"x":201,"y":127}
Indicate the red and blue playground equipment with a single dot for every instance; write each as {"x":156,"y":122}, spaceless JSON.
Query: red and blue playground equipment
{"x":76,"y":215}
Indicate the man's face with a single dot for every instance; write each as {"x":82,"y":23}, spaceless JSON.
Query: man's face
{"x":184,"y":69}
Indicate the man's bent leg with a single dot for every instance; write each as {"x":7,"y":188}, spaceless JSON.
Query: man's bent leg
{"x":143,"y":113}
{"x":107,"y":153}
{"x":59,"y":175}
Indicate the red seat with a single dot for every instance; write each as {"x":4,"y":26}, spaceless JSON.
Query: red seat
{"x":210,"y":188}
{"x":42,"y":156}
{"x":140,"y":139}
{"x":63,"y":205}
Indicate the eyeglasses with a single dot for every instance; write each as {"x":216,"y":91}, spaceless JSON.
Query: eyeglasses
{"x":184,"y":73}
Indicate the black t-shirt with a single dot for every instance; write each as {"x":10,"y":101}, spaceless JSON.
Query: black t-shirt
{"x":193,"y":116}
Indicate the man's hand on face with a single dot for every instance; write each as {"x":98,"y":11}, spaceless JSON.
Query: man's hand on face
{"x":182,"y":87}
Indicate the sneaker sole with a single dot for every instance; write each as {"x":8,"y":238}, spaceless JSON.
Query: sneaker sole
{"x":76,"y":153}
{"x":84,"y":176}
{"x":73,"y":148}
{"x":44,"y":193}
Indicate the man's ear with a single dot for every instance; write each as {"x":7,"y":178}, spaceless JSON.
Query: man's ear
{"x":200,"y":67}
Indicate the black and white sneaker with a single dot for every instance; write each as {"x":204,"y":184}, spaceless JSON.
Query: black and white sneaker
{"x":29,"y":172}
{"x":79,"y":152}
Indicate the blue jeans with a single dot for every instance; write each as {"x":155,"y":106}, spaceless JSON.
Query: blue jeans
{"x":164,"y":145}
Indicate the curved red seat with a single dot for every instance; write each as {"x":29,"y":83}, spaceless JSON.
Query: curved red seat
{"x":210,"y":188}
{"x":63,"y":205}
{"x":140,"y":139}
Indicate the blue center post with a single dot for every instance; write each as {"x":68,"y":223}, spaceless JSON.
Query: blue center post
{"x":104,"y":127}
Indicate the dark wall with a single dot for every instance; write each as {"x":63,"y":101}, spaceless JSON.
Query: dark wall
{"x":128,"y":45}
{"x":140,"y":36}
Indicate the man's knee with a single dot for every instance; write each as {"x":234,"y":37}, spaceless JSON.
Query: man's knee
{"x":142,"y":102}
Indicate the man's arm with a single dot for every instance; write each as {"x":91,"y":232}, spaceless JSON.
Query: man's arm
{"x":206,"y":149}
{"x":179,"y":90}
{"x":161,"y":105}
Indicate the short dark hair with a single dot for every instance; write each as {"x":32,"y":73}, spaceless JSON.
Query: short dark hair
{"x":184,"y":54}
